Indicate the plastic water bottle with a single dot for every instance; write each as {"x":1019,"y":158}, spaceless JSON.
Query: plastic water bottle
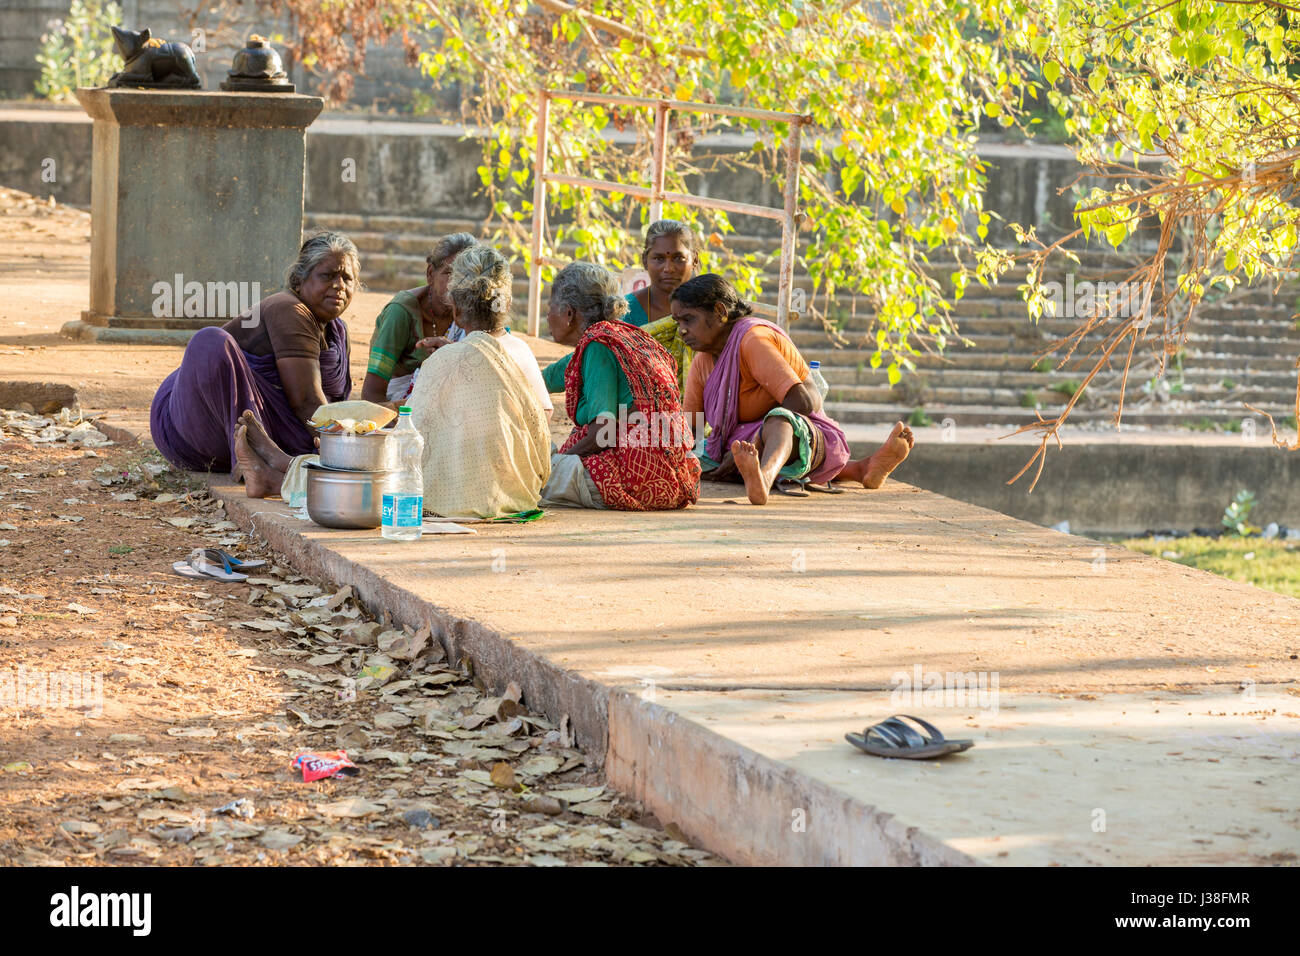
{"x":817,"y":380}
{"x":404,"y":495}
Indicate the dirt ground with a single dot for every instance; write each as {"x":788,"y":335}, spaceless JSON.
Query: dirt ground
{"x":136,"y":704}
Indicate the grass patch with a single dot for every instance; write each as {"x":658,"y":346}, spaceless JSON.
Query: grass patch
{"x":919,"y":419}
{"x":1274,"y":565}
{"x":1029,"y":398}
{"x":120,"y":549}
{"x":1067,"y":388}
{"x":1044,"y":365}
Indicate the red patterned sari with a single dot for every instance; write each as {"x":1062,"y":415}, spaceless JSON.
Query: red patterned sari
{"x":651,"y":468}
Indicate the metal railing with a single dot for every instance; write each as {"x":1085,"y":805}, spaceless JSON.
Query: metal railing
{"x":654,"y":194}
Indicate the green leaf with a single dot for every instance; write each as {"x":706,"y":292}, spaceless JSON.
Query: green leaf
{"x":1051,"y":71}
{"x":1201,"y":52}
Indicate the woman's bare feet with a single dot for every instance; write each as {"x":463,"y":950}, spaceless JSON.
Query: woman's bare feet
{"x":262,"y":444}
{"x":745,"y":456}
{"x":873,"y":471}
{"x":260,"y":479}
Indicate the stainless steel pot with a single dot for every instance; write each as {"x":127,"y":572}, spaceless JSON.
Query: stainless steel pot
{"x":345,"y":499}
{"x":354,"y":452}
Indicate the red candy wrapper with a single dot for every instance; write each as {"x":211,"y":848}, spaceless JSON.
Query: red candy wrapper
{"x":327,"y":763}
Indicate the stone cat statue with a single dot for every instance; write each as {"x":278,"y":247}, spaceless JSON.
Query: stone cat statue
{"x":154,"y":63}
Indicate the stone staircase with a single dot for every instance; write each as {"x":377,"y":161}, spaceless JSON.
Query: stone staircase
{"x":1242,"y":347}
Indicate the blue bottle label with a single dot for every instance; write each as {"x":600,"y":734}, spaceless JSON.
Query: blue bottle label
{"x":403,"y":511}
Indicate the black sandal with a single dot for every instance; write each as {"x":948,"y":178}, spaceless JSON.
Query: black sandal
{"x":826,"y":489}
{"x":791,"y":487}
{"x":893,"y":738}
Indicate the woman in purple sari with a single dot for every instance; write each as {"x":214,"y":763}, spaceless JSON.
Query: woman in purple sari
{"x":281,"y":360}
{"x":767,"y":425}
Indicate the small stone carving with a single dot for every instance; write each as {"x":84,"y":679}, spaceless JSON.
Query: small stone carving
{"x":257,"y":69}
{"x":151,"y":63}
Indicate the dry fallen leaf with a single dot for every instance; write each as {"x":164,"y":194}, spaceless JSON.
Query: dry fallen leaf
{"x":576,"y":794}
{"x":81,"y":826}
{"x":350,"y":807}
{"x":351,"y":737}
{"x":392,"y":720}
{"x":503,"y":776}
{"x":279,"y":839}
{"x":540,"y":765}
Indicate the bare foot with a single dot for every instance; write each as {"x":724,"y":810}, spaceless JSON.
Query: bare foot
{"x":745,"y":456}
{"x":260,"y":480}
{"x":873,"y":470}
{"x":888,"y":456}
{"x":262,"y":443}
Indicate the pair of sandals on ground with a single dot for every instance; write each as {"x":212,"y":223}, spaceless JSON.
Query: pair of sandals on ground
{"x":894,"y":738}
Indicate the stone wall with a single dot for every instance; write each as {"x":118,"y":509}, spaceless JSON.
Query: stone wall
{"x":1112,"y":488}
{"x":21,"y":24}
{"x":411,"y":168}
{"x":388,"y":81}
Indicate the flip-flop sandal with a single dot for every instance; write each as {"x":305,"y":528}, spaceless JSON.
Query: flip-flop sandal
{"x":791,"y":487}
{"x":229,"y":561}
{"x":826,"y":489}
{"x":893,"y":738}
{"x":198,"y":566}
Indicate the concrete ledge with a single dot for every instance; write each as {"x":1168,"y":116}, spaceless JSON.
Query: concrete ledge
{"x":769,"y":812}
{"x":1118,"y":489}
{"x":86,"y":332}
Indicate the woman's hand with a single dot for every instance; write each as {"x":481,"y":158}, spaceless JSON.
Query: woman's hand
{"x":432,"y":343}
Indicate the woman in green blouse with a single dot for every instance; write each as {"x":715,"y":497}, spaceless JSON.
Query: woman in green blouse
{"x":402,"y":332}
{"x":671,"y":256}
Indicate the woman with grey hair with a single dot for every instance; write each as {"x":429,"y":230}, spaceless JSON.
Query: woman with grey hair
{"x":413,"y":324}
{"x":630,"y":448}
{"x":279,"y":361}
{"x":480,"y":403}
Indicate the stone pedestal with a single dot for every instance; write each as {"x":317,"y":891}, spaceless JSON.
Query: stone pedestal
{"x":196,"y":207}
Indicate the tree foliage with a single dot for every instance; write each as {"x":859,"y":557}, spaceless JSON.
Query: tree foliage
{"x":78,"y":50}
{"x":896,"y":90}
{"x":1187,"y":112}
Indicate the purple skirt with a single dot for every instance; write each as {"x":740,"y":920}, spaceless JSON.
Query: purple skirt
{"x":192,"y":420}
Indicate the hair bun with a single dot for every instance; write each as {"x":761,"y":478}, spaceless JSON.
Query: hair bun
{"x":615,"y":307}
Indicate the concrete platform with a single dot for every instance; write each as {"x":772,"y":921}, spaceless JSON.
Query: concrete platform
{"x":716,"y":657}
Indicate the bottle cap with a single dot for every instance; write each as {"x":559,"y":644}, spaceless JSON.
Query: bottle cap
{"x":404,"y":409}
{"x":814,"y":364}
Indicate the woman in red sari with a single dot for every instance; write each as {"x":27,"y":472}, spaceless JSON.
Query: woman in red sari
{"x":630,"y":449}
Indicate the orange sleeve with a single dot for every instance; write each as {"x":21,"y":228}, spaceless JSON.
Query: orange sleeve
{"x":773,"y":366}
{"x":693,"y":400}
